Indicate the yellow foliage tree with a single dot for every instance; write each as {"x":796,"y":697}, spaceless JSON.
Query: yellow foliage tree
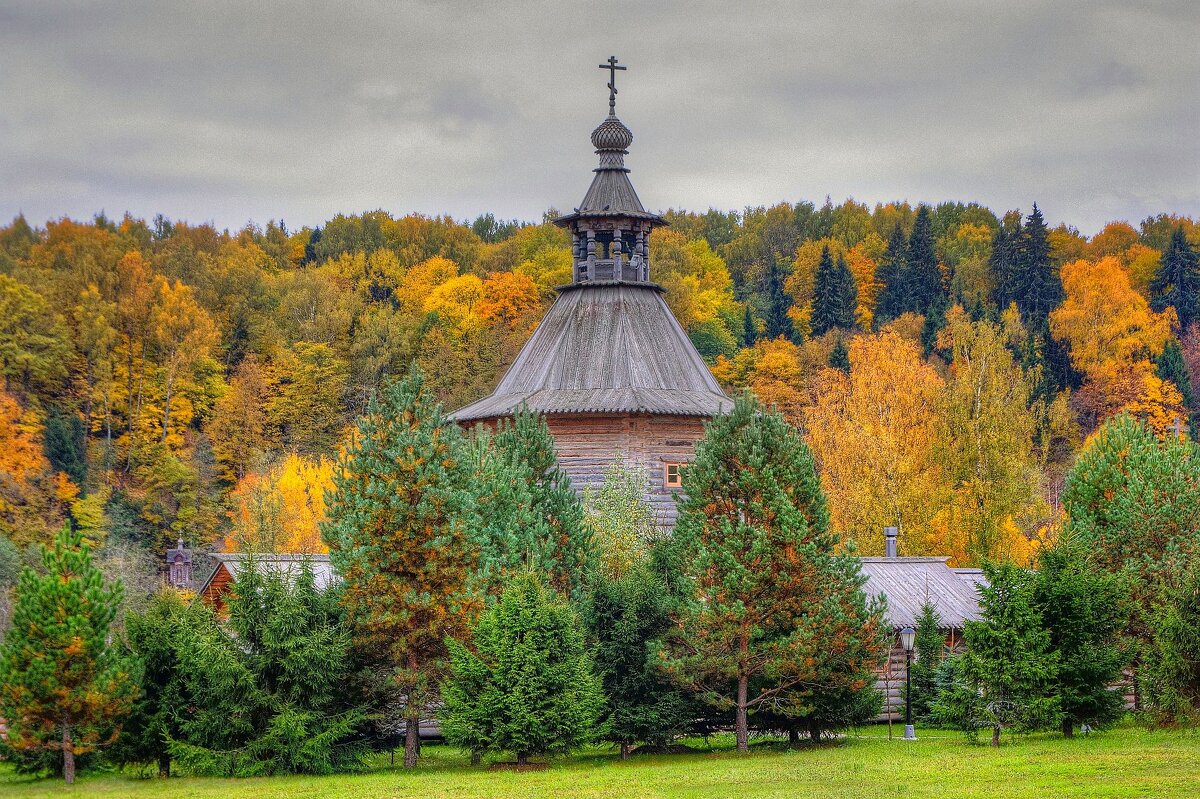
{"x":281,"y":510}
{"x":874,"y":434}
{"x":31,"y":495}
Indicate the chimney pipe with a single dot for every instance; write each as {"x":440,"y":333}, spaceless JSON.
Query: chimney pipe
{"x":889,"y":535}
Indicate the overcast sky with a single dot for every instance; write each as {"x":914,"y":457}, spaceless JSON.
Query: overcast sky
{"x":238,"y":111}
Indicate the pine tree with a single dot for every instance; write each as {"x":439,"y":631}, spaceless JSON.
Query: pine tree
{"x":928,"y":645}
{"x":64,"y":687}
{"x":528,"y":687}
{"x":749,"y":328}
{"x":1169,"y":674}
{"x":402,"y":535}
{"x":923,"y":278}
{"x":623,"y":615}
{"x":1085,"y":612}
{"x":267,"y":692}
{"x":529,"y":516}
{"x":1009,"y":661}
{"x":1037,"y":288}
{"x":1176,"y":283}
{"x":835,"y":297}
{"x":891,"y":301}
{"x":768,"y":602}
{"x":779,"y":302}
{"x":935,"y":320}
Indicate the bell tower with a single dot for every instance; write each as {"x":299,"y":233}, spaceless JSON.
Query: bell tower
{"x":610,"y":230}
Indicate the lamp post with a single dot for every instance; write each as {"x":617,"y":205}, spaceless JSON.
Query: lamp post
{"x":906,"y":640}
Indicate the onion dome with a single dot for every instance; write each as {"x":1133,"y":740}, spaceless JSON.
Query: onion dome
{"x":612,"y":135}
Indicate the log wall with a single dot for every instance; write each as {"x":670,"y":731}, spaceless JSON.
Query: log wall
{"x":588,"y":444}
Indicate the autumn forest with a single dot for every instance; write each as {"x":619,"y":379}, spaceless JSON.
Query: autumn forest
{"x":164,"y":380}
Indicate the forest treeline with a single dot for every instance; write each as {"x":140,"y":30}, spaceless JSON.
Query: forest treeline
{"x":165,"y":380}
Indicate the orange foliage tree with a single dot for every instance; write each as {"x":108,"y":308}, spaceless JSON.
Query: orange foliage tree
{"x":1114,"y":337}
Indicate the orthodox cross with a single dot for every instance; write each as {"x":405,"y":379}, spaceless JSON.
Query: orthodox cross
{"x":1178,"y":428}
{"x":612,"y":68}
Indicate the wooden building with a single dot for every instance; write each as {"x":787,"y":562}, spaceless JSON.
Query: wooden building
{"x":229,"y":565}
{"x":610,"y":368}
{"x":907,"y":583}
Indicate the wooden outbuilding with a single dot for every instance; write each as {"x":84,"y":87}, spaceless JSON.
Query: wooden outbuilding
{"x":229,"y":565}
{"x":610,"y":367}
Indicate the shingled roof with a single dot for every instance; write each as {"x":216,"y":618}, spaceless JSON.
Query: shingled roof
{"x":907,"y":582}
{"x":606,"y":348}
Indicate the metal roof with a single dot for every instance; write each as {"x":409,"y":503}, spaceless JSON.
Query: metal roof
{"x":289,"y":564}
{"x":907,"y":582}
{"x":606,"y":348}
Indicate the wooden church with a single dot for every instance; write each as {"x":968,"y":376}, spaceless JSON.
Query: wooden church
{"x":610,"y":367}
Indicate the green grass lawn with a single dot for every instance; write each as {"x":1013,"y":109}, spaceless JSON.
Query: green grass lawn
{"x":1122,"y":763}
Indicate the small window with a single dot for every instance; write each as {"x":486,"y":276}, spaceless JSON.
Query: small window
{"x":673,"y":475}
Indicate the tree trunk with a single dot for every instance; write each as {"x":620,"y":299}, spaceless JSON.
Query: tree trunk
{"x":793,"y":736}
{"x":1068,"y":728}
{"x":68,"y":750}
{"x":743,"y":723}
{"x":522,"y":758}
{"x":164,"y":764}
{"x":624,"y":750}
{"x":412,"y":734}
{"x":476,"y":758}
{"x":814,"y":731}
{"x":996,"y":736}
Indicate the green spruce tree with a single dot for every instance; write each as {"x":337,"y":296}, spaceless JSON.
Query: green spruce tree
{"x":1009,"y":662}
{"x":839,"y":356}
{"x":1176,"y":282}
{"x":1085,"y":612}
{"x":1171,"y":366}
{"x":527,"y":684}
{"x":923,"y":278}
{"x":403,"y":535}
{"x":891,"y":301}
{"x":928,"y":645}
{"x":625,"y":615}
{"x":767,"y":599}
{"x":779,"y":302}
{"x":835,"y":298}
{"x":65,"y":688}
{"x":267,"y":692}
{"x":749,"y":328}
{"x":153,"y":638}
{"x":1037,"y":288}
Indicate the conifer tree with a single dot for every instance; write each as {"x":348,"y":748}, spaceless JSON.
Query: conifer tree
{"x":767,"y":598}
{"x":1171,"y":366}
{"x":64,"y":687}
{"x":527,"y":686}
{"x":1009,"y":663}
{"x":1176,"y":283}
{"x":839,"y":356}
{"x":928,"y":646}
{"x":891,"y":301}
{"x":153,"y":638}
{"x":1002,"y":264}
{"x":779,"y":302}
{"x":625,"y":615}
{"x":529,"y":518}
{"x":835,"y":297}
{"x":749,"y":328}
{"x":265,"y":693}
{"x":1085,"y":611}
{"x":923,"y":278}
{"x":1037,"y":288}
{"x":401,"y":534}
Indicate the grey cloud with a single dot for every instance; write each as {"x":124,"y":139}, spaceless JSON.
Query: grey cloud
{"x":232,"y":111}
